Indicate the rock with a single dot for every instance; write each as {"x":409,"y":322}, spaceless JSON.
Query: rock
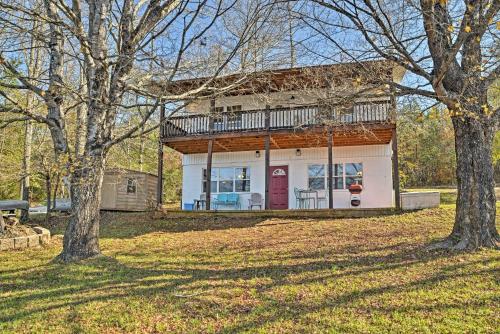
{"x":33,"y":240}
{"x":20,"y":242}
{"x":44,"y":239}
{"x":6,"y":244}
{"x":41,"y":230}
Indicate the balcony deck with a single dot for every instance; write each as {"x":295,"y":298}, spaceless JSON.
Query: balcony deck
{"x":298,"y":127}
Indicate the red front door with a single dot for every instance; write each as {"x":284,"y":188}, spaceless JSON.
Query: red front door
{"x":278,"y":187}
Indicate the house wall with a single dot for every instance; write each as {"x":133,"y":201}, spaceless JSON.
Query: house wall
{"x":259,"y":101}
{"x":377,"y":172}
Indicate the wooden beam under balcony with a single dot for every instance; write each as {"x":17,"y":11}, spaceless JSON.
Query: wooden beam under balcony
{"x":284,"y":140}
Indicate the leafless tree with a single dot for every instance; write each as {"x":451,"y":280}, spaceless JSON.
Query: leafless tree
{"x":450,"y":50}
{"x":98,"y":60}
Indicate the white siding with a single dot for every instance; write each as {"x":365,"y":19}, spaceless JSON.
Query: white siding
{"x":259,"y":101}
{"x":377,"y":172}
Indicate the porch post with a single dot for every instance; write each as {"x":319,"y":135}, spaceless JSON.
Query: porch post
{"x":267,"y":158}
{"x":159,"y":185}
{"x":395,"y":169}
{"x":330,"y":168}
{"x":209,"y":155}
{"x":209,"y":174}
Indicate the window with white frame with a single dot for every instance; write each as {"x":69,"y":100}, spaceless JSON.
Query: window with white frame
{"x":227,"y":121}
{"x":344,"y":174}
{"x":353,"y":174}
{"x":316,"y":177}
{"x":228,"y":180}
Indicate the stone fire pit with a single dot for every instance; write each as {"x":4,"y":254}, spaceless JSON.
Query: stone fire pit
{"x":17,"y":236}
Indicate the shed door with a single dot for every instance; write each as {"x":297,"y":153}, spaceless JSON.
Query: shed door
{"x":108,"y":193}
{"x":278,"y":187}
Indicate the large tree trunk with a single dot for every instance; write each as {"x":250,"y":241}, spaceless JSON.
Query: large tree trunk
{"x":81,"y":239}
{"x":476,"y":202}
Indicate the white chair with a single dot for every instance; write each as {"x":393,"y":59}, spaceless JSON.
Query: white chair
{"x":255,"y":200}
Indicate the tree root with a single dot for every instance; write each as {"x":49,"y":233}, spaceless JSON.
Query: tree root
{"x":66,"y":258}
{"x":452,"y":243}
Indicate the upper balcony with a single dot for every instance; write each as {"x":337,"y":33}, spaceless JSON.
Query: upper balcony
{"x":278,"y":120}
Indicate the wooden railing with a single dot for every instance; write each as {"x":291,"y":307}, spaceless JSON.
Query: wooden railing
{"x":278,"y":119}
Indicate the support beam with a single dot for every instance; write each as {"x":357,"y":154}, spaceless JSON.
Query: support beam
{"x":266,"y":168}
{"x":209,"y":154}
{"x":221,"y":146}
{"x":267,"y":158}
{"x":395,"y":169}
{"x":209,"y":174}
{"x":159,"y":185}
{"x":330,"y":168}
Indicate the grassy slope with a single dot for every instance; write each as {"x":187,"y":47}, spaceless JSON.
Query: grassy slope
{"x":364,"y":275}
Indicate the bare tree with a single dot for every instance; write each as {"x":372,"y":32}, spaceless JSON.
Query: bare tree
{"x":450,"y":49}
{"x":104,"y":45}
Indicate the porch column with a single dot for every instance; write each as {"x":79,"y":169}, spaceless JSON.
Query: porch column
{"x":267,"y":156}
{"x":209,"y":174}
{"x":395,"y":169}
{"x":159,"y":185}
{"x":209,"y":154}
{"x":330,"y":168}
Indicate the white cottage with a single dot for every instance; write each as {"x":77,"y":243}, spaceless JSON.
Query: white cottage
{"x":290,"y":139}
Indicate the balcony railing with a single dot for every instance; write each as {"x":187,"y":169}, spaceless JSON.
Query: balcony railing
{"x":275,"y":119}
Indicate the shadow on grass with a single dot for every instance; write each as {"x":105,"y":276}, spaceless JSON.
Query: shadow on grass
{"x":120,"y":225}
{"x":55,"y":286}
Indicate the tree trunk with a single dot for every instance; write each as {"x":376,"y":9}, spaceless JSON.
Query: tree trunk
{"x":25,"y":184}
{"x":476,"y":202}
{"x":81,"y":239}
{"x":48,"y":189}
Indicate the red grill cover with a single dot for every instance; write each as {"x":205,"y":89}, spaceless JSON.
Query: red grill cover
{"x":355,"y":188}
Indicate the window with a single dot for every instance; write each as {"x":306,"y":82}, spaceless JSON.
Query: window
{"x":338,"y":176}
{"x":343,"y":175}
{"x":316,"y":175}
{"x":228,"y":179}
{"x":242,"y":182}
{"x":131,"y":186}
{"x":353,"y":174}
{"x":233,"y":108}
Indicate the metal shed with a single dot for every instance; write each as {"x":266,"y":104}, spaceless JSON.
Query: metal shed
{"x":128,"y":190}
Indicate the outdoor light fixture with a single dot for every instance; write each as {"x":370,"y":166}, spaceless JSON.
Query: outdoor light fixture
{"x":257,"y":154}
{"x":298,"y":152}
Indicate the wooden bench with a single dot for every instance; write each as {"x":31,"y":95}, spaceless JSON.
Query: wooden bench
{"x":231,"y":199}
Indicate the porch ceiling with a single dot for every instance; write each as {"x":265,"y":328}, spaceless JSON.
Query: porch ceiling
{"x":283,"y":140}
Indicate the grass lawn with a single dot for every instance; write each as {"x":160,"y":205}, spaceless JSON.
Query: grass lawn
{"x":260,"y":276}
